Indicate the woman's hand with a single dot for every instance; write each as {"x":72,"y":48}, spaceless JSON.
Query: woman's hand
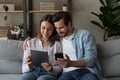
{"x":47,"y":66}
{"x":29,"y":61}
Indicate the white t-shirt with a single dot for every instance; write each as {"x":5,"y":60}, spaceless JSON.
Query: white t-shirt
{"x":69,"y":50}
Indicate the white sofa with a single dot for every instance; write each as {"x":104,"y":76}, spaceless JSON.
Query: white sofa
{"x":11,"y":54}
{"x":109,"y":56}
{"x":10,"y":59}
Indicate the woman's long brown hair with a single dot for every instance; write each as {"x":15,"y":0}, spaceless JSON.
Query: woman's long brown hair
{"x":54,"y":35}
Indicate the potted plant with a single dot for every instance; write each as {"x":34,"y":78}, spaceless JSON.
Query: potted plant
{"x":64,"y":7}
{"x":110,"y":18}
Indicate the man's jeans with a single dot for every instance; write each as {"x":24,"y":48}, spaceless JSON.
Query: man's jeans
{"x":78,"y":74}
{"x":38,"y":74}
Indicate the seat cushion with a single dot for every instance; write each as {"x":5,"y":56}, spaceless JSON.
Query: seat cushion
{"x":9,"y":76}
{"x":114,"y":78}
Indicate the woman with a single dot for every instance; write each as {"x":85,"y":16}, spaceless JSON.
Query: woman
{"x":45,"y":41}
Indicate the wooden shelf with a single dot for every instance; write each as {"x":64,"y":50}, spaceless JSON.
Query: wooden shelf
{"x":16,"y":11}
{"x":43,"y":11}
{"x":3,"y":31}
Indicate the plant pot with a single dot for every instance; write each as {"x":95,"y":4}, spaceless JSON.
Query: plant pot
{"x":65,"y":8}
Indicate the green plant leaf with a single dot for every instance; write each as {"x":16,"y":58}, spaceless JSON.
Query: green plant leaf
{"x":116,"y":20}
{"x":97,"y":24}
{"x":110,"y":3}
{"x":64,"y":4}
{"x":102,"y":2}
{"x":95,"y":14}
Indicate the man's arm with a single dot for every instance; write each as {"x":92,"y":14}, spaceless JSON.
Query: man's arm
{"x":25,"y":43}
{"x":70,"y":63}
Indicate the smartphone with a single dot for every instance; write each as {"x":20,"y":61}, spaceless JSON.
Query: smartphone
{"x":58,"y":55}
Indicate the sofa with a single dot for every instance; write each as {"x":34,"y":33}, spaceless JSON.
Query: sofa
{"x":11,"y":54}
{"x":109,"y":57}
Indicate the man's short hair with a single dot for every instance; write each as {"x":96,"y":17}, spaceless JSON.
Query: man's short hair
{"x":66,"y":16}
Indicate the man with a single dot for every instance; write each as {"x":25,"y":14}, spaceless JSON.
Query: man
{"x":79,"y":48}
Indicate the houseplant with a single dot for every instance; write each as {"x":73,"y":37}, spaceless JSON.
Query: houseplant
{"x":110,"y":18}
{"x":64,"y":7}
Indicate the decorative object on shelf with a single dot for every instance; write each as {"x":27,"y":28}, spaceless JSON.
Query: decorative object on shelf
{"x":16,"y":32}
{"x":6,"y":8}
{"x":64,"y":7}
{"x":5,"y":18}
{"x":110,"y":18}
{"x":47,"y":5}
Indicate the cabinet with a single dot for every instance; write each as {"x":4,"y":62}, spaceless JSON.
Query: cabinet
{"x":34,"y":13}
{"x":28,"y":12}
{"x":13,"y":16}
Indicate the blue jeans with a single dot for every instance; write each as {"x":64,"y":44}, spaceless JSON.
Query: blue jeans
{"x":38,"y":74}
{"x":78,"y":74}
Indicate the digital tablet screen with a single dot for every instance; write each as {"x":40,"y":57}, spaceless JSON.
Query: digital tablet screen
{"x":38,"y":57}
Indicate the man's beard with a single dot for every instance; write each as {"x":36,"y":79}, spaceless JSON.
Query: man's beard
{"x":63,"y":34}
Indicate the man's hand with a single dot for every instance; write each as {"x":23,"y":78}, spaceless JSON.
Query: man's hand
{"x":47,"y":66}
{"x":25,"y":43}
{"x":70,"y":63}
{"x":29,"y":61}
{"x":63,"y":62}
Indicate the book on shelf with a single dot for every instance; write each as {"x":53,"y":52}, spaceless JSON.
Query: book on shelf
{"x":47,"y":6}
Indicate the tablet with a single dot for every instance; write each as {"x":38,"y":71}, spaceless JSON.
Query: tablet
{"x":38,"y":57}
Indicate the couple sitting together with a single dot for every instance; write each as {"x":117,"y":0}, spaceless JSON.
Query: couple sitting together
{"x":56,"y":34}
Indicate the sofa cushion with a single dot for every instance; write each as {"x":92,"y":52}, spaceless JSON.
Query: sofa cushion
{"x":11,"y":56}
{"x":109,"y":55}
{"x":114,"y":78}
{"x":9,"y":76}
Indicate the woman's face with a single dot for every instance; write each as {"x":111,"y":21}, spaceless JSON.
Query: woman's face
{"x":46,"y":29}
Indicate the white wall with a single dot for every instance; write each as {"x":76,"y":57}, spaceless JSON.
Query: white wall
{"x":81,"y":12}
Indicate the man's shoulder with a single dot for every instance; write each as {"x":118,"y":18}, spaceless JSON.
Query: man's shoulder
{"x":81,"y":31}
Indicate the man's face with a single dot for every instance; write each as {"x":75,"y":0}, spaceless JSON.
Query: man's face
{"x":61,"y":28}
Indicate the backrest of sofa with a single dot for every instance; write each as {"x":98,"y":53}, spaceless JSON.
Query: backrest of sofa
{"x":11,"y":53}
{"x":109,"y":55}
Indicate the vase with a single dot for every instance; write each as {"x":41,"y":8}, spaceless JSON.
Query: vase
{"x":65,"y":8}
